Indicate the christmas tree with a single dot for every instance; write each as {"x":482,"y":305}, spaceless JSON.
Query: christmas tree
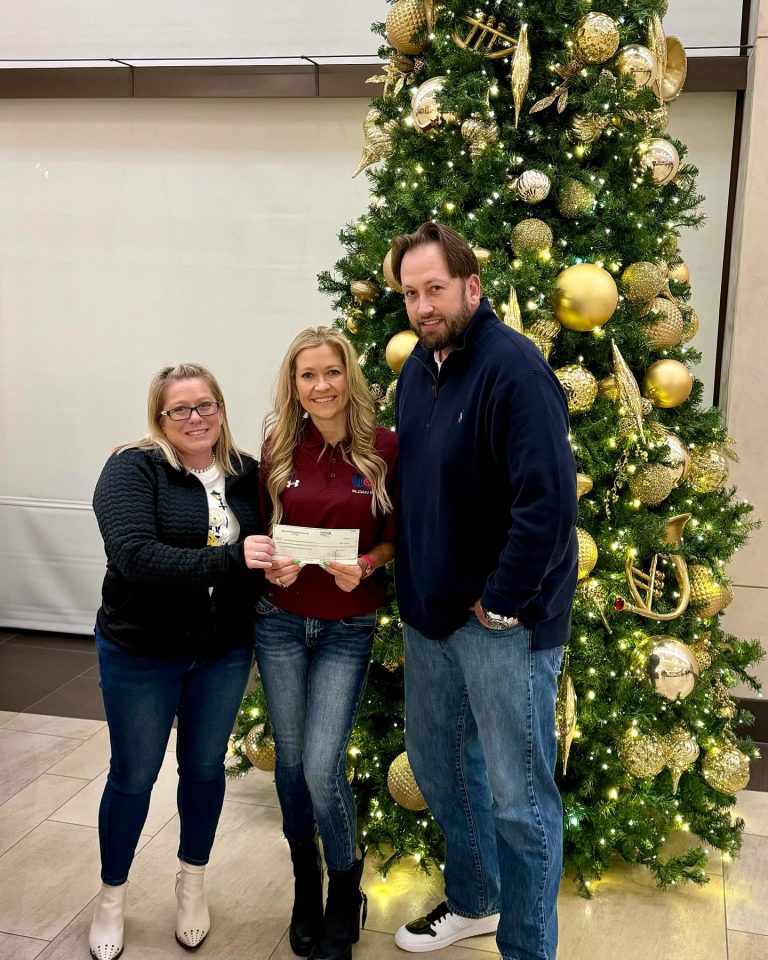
{"x":539,"y":132}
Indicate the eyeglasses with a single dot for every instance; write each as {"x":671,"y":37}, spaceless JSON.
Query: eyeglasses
{"x":205,"y":409}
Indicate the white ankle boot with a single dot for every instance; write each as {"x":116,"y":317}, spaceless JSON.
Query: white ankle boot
{"x":193,"y":921}
{"x":106,"y":937}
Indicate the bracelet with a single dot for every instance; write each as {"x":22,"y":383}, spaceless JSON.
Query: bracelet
{"x":369,"y":565}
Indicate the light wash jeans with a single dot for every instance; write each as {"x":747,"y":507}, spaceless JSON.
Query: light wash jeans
{"x":480,"y":735}
{"x":313,"y":672}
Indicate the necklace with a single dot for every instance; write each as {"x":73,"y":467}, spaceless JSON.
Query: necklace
{"x":203,"y":469}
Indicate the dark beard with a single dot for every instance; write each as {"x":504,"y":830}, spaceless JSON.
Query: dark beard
{"x":454,"y":329}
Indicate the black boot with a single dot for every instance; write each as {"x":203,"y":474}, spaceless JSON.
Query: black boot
{"x":341,"y":923}
{"x":307,"y":914}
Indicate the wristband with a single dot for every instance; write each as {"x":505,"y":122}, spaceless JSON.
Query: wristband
{"x":369,"y":566}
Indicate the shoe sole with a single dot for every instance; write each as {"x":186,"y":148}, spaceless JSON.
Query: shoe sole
{"x":436,"y":944}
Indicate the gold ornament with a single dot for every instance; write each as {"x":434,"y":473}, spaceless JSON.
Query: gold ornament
{"x":708,"y":595}
{"x":399,"y":349}
{"x":726,"y":768}
{"x":667,"y":383}
{"x":580,"y":386}
{"x":676,"y":450}
{"x":521,"y":71}
{"x":352,"y":325}
{"x":425,"y":110}
{"x":587,"y":552}
{"x":530,"y":236}
{"x":260,"y":753}
{"x":386,"y":269}
{"x":680,"y":273}
{"x":398,"y":68}
{"x":682,"y":751}
{"x":485,"y":37}
{"x":364,"y":290}
{"x":596,"y":38}
{"x":725,"y":705}
{"x":565,"y":714}
{"x":479,"y":134}
{"x":408,"y":22}
{"x":585,"y":297}
{"x":583,"y":485}
{"x":709,"y":468}
{"x":532,"y":186}
{"x":673,"y":79}
{"x":653,"y":581}
{"x":657,"y":157}
{"x":586,"y":127}
{"x":545,"y":328}
{"x":691,"y":326}
{"x":652,"y":483}
{"x":628,"y":390}
{"x":658,"y":46}
{"x":641,"y":754}
{"x":670,"y":666}
{"x":702,"y":650}
{"x":377,"y":392}
{"x":666,"y":324}
{"x":595,"y":595}
{"x":643,"y":280}
{"x":378,"y":139}
{"x":402,"y":785}
{"x":638,"y":63}
{"x":607,"y":388}
{"x":574,"y":199}
{"x":511,"y":310}
{"x":482,"y":256}
{"x":389,"y":396}
{"x":545,"y":346}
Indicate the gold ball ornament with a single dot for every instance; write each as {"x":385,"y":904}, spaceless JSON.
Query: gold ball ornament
{"x":585,"y":297}
{"x":667,"y":383}
{"x":482,"y":256}
{"x":671,"y":667}
{"x":425,"y":109}
{"x":386,"y":269}
{"x":579,"y":385}
{"x":587,"y":553}
{"x":709,"y":468}
{"x":532,"y":186}
{"x":402,"y":785}
{"x":596,"y":38}
{"x":726,"y":768}
{"x":638,"y":63}
{"x":608,"y":388}
{"x":260,"y":754}
{"x":682,"y":751}
{"x":681,"y":273}
{"x":530,"y":236}
{"x":677,"y":451}
{"x":691,"y":325}
{"x":363,"y":290}
{"x":659,"y":158}
{"x":708,"y":595}
{"x":641,"y":754}
{"x":574,"y":199}
{"x":652,"y":483}
{"x":643,"y":280}
{"x":702,"y":650}
{"x":399,"y":349}
{"x":479,"y":135}
{"x":407,"y":25}
{"x":664,"y":324}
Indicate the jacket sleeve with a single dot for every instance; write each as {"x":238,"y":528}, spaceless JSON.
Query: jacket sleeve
{"x":125,"y":506}
{"x":529,"y":437}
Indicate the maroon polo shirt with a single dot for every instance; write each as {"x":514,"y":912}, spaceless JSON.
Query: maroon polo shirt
{"x":325,"y":490}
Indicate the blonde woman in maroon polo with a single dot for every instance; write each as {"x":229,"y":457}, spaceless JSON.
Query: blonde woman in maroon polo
{"x":325,"y":463}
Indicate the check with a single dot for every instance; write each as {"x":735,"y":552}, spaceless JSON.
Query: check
{"x":315,"y":544}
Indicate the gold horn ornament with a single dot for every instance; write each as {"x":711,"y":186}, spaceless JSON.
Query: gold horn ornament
{"x":653,"y":581}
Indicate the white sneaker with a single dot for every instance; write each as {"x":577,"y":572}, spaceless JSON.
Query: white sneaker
{"x":106,"y":937}
{"x":441,"y":927}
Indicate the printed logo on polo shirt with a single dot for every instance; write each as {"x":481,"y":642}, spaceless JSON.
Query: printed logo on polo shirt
{"x":361,"y":484}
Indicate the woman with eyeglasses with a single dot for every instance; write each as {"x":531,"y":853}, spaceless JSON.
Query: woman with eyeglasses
{"x":178,"y":511}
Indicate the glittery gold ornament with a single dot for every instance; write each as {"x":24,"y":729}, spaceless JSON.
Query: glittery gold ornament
{"x":641,"y":754}
{"x":657,"y":44}
{"x":595,"y":595}
{"x":726,"y":768}
{"x":586,"y":127}
{"x":579,"y":385}
{"x":545,"y":346}
{"x":482,"y":256}
{"x":511,"y":310}
{"x":479,"y":135}
{"x":408,"y":23}
{"x":261,"y":753}
{"x":352,"y":325}
{"x":680,"y":273}
{"x":643,"y":280}
{"x":652,"y":483}
{"x":628,"y":390}
{"x":708,"y":595}
{"x":521,"y":71}
{"x":585,"y":297}
{"x":682,"y":751}
{"x":399,"y":349}
{"x":608,"y":388}
{"x":378,"y":143}
{"x":386,"y":269}
{"x":364,"y":290}
{"x":638,"y":63}
{"x":657,"y":157}
{"x":583,"y":485}
{"x":565,"y":715}
{"x":545,"y":328}
{"x":702,"y":650}
{"x":676,"y":451}
{"x":587,"y":552}
{"x":725,"y":705}
{"x":670,"y":666}
{"x":530,"y":236}
{"x":377,"y":391}
{"x":596,"y":38}
{"x":664,"y":323}
{"x":691,"y":325}
{"x":667,"y":383}
{"x":574,"y":199}
{"x":389,"y":396}
{"x":709,"y":468}
{"x":425,"y":109}
{"x":532,"y":186}
{"x":402,"y":785}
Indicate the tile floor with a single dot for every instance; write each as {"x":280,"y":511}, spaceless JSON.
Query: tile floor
{"x":52,"y":769}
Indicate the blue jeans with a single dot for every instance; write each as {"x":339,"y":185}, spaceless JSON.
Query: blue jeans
{"x":141,"y":697}
{"x":313,"y":672}
{"x":480,"y":735}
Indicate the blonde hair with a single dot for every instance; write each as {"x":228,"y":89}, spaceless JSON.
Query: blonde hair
{"x":283,"y":425}
{"x":228,"y":455}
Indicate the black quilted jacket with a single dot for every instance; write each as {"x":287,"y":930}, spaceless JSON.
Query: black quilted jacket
{"x":156,"y":598}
